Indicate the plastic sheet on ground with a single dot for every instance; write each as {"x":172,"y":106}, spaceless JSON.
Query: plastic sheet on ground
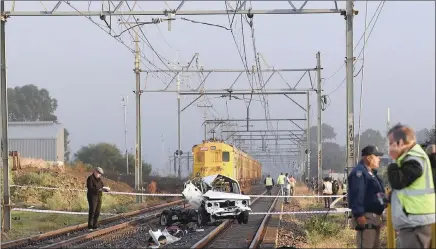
{"x":159,"y":238}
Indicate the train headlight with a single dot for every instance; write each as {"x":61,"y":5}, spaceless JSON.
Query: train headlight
{"x":244,"y":202}
{"x":216,"y":204}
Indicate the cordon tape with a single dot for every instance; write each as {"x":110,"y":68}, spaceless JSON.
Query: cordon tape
{"x":174,"y":195}
{"x":332,"y":211}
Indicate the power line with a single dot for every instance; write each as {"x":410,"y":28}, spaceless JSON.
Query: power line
{"x":366,"y":40}
{"x":358,"y":42}
{"x":361,"y":83}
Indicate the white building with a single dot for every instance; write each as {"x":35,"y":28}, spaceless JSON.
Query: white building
{"x":39,"y":140}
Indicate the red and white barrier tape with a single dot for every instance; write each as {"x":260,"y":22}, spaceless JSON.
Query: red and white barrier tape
{"x":174,"y":195}
{"x":333,"y":211}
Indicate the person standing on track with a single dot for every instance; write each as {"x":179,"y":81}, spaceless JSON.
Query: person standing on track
{"x":292,"y":183}
{"x":327,"y":191}
{"x":269,"y":184}
{"x":281,"y":183}
{"x":287,"y":188}
{"x":366,"y":198}
{"x":413,"y":194}
{"x":95,"y":187}
{"x":335,"y":188}
{"x":344,"y":190}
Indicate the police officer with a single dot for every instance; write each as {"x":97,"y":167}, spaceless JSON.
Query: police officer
{"x":366,"y":198}
{"x":95,"y":187}
{"x":269,"y":183}
{"x":281,"y":182}
{"x":413,"y":195}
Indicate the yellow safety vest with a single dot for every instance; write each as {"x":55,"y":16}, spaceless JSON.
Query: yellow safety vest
{"x":344,"y":188}
{"x":281,"y":179}
{"x":418,"y":197}
{"x":269,"y":181}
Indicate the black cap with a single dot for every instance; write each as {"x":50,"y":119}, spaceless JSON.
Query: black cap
{"x":371,"y":150}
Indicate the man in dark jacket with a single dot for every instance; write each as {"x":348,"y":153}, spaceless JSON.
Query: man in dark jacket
{"x":364,"y":194}
{"x":431,"y":152}
{"x":95,"y":187}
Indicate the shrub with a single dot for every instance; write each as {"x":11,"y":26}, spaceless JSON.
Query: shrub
{"x":322,"y":226}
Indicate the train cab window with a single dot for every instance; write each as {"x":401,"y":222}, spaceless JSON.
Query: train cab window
{"x":226,"y":156}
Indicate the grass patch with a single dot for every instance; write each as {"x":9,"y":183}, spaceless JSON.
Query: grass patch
{"x":25,"y":224}
{"x":64,"y":200}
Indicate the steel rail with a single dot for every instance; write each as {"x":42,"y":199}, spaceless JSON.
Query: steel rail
{"x":76,"y":228}
{"x":210,"y":238}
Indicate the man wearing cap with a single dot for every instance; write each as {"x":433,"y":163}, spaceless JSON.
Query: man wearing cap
{"x":95,"y":187}
{"x":366,"y":198}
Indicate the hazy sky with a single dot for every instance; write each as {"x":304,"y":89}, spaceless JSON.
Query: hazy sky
{"x":88,"y":71}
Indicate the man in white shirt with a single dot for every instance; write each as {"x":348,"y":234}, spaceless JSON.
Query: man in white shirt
{"x":287,"y":188}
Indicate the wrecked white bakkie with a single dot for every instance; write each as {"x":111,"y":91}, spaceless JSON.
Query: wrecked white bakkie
{"x":210,"y":198}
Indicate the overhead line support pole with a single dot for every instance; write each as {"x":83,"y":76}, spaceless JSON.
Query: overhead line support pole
{"x":6,"y":219}
{"x":319,"y":99}
{"x":308,"y":142}
{"x":138,"y":152}
{"x":350,"y":90}
{"x":179,"y":142}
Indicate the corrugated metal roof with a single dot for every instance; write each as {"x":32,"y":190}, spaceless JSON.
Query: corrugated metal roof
{"x":33,"y":130}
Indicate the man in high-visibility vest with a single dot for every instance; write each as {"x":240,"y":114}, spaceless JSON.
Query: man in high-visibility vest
{"x":281,"y":182}
{"x":413,"y":194}
{"x":269,"y":183}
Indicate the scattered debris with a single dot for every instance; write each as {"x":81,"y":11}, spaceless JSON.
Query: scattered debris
{"x":159,"y":238}
{"x":172,"y":234}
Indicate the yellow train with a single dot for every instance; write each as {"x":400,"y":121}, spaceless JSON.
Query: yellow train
{"x":216,"y":157}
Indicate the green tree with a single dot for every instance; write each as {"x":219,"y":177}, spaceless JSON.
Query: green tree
{"x":29,"y":103}
{"x":431,"y":135}
{"x":333,"y":156}
{"x":327,"y":133}
{"x":66,"y":144}
{"x":109,"y":158}
{"x":422,"y":135}
{"x":370,"y":137}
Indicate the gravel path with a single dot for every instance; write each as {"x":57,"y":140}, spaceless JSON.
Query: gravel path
{"x":291,"y":233}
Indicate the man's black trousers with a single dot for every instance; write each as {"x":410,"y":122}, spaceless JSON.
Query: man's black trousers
{"x":94,"y":202}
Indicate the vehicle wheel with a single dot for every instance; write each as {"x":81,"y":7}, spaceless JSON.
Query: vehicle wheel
{"x":244,"y":217}
{"x":239,"y":218}
{"x":201,"y":217}
{"x":166,"y":218}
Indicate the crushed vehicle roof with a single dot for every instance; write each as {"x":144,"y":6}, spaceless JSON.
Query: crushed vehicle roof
{"x":210,"y":179}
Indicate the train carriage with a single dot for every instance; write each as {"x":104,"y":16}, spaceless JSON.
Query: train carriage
{"x":216,"y":157}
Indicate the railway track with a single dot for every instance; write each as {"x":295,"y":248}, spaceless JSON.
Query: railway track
{"x":70,"y":235}
{"x":126,"y":230}
{"x":231,"y":235}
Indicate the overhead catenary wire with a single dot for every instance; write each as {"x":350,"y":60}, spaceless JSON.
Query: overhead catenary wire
{"x":358,"y":42}
{"x":369,"y":35}
{"x":361,"y":82}
{"x":116,"y":38}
